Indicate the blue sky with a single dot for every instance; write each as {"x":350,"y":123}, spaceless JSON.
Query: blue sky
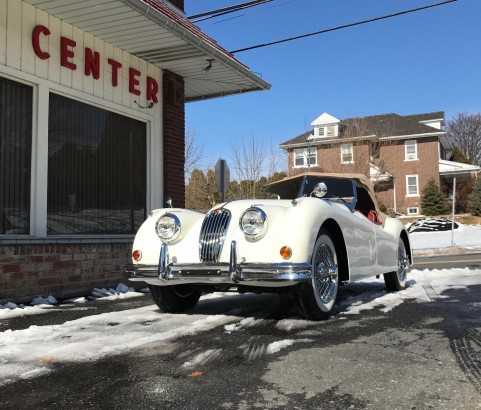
{"x":421,"y":62}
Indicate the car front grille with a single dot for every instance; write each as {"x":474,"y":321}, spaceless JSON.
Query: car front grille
{"x":212,"y":235}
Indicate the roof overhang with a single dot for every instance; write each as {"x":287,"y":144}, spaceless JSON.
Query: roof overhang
{"x":451,"y":168}
{"x":314,"y":142}
{"x":377,"y":174}
{"x":154,"y":32}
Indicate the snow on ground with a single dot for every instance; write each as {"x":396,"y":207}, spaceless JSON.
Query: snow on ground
{"x":464,"y":236}
{"x":41,"y":305}
{"x":29,"y":353}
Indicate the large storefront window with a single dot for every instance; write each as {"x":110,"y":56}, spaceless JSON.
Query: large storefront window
{"x":15,"y":157}
{"x":96,"y":170}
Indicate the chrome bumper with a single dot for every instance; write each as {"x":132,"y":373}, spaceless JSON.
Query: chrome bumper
{"x":232,"y":273}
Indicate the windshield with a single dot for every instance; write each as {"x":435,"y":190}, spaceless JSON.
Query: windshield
{"x":337,"y":188}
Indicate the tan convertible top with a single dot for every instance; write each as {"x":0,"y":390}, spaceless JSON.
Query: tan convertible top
{"x":361,"y":179}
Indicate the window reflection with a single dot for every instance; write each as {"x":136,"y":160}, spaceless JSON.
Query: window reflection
{"x":15,"y":157}
{"x":96,"y":170}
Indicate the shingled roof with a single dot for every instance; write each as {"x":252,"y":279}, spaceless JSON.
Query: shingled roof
{"x":429,"y":116}
{"x":381,"y":126}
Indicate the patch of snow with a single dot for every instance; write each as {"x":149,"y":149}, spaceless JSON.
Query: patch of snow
{"x":49,"y":300}
{"x":243,"y":324}
{"x":464,"y":236}
{"x":41,"y":305}
{"x":278,"y":346}
{"x":295,"y":324}
{"x":76,"y":300}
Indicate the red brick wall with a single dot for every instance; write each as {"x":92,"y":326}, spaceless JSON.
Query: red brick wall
{"x":393,"y":155}
{"x":426,"y":167}
{"x":174,"y":138}
{"x":60,"y":270}
{"x":329,"y":160}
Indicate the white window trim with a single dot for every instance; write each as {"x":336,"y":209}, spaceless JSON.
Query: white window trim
{"x":352,"y":153}
{"x":305,"y":156}
{"x":417,"y":185}
{"x":410,"y":142}
{"x":413,"y":213}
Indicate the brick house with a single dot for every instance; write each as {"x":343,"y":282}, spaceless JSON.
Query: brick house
{"x":92,"y":132}
{"x":399,"y":153}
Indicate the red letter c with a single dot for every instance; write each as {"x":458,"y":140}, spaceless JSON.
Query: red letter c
{"x":36,"y":41}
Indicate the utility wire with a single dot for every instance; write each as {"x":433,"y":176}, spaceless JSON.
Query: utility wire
{"x":344,"y":26}
{"x":226,"y":10}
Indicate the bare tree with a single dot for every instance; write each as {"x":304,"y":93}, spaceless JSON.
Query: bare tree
{"x":254,"y":164}
{"x":194,"y":153}
{"x":465,"y":132}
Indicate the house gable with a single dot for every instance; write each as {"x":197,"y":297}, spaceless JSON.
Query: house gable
{"x":325,"y":126}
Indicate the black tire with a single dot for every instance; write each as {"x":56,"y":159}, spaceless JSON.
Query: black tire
{"x":176,"y":298}
{"x":316,"y":299}
{"x":396,"y":281}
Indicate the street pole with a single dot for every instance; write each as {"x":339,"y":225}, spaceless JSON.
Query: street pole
{"x":454,"y":205}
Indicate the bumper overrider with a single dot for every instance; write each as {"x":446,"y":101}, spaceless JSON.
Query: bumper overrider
{"x":232,"y":273}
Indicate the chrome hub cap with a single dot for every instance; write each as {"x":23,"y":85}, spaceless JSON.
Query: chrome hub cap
{"x":325,"y":274}
{"x":402,"y":263}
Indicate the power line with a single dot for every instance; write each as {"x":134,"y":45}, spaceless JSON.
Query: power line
{"x":226,"y":10}
{"x":344,"y":26}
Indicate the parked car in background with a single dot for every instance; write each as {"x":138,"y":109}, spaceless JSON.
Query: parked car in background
{"x":309,"y":234}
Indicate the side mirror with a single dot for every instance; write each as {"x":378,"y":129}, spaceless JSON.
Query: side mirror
{"x":320,"y":190}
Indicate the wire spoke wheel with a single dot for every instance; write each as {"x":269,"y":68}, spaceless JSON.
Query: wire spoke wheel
{"x":402,"y":262}
{"x":396,"y":281}
{"x":316,"y":298}
{"x":325,"y":274}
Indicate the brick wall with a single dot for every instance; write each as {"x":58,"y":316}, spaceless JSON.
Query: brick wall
{"x":393,"y":156}
{"x":60,"y":270}
{"x":426,"y":167}
{"x":329,"y":160}
{"x":174,"y":138}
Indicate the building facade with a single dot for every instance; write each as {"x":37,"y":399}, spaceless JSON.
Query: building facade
{"x":400,"y":154}
{"x":92,"y":130}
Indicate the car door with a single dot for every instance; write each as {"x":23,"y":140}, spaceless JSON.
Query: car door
{"x":360,"y":237}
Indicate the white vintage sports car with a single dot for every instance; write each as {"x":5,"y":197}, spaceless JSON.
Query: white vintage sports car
{"x":311,"y":233}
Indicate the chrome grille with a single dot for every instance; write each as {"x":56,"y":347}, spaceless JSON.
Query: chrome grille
{"x":212,"y":235}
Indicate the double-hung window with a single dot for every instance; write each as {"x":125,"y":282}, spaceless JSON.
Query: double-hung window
{"x":305,"y":157}
{"x":410,"y":150}
{"x":347,"y":154}
{"x":412,"y":185}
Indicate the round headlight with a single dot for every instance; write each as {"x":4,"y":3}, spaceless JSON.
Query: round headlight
{"x":168,"y":227}
{"x":253,"y":222}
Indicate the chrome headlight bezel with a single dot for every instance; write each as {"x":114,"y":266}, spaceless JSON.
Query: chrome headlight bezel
{"x":250,"y":215}
{"x":168,"y":231}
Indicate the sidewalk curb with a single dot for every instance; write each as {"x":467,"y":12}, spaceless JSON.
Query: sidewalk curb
{"x":451,"y":250}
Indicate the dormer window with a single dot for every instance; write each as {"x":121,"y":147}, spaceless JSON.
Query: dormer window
{"x":326,"y":126}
